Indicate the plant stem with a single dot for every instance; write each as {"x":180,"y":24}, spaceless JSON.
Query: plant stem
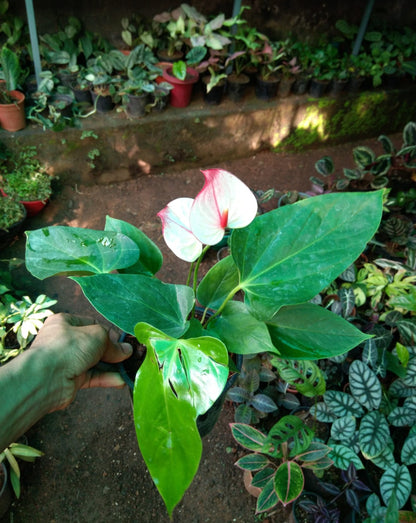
{"x":224,"y":303}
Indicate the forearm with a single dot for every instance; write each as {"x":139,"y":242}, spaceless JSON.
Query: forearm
{"x":26,"y":393}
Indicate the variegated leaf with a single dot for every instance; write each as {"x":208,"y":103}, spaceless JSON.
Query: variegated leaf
{"x":402,"y":417}
{"x":396,"y":479}
{"x":399,"y":390}
{"x":267,"y":498}
{"x":364,"y":385}
{"x":343,"y":456}
{"x":342,"y":404}
{"x":385,"y":459}
{"x":322,"y":413}
{"x":408,"y":454}
{"x":343,"y":429}
{"x":373,"y":434}
{"x":252,"y":462}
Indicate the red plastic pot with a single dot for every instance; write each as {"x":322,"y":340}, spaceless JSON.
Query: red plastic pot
{"x":180,"y":95}
{"x":12,"y":116}
{"x":33,"y":207}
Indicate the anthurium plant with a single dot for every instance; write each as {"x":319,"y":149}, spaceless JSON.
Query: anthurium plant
{"x":279,"y":261}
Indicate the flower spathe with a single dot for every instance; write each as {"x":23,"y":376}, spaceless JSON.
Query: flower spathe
{"x":224,"y":202}
{"x":177,"y":230}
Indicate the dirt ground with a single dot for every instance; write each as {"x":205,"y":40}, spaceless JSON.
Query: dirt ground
{"x":92,"y":469}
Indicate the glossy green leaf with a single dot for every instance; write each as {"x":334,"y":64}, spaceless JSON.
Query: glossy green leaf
{"x":364,"y":385}
{"x":305,"y":375}
{"x":150,"y":261}
{"x":60,"y":249}
{"x":166,"y":432}
{"x":267,"y":498}
{"x":408,"y":452}
{"x":373,"y":434}
{"x":248,"y":437}
{"x":241,"y":332}
{"x":292,"y":430}
{"x":342,"y":404}
{"x":342,"y":456}
{"x":288,"y":255}
{"x":399,"y":390}
{"x":218,"y":283}
{"x":253,"y":462}
{"x":396,"y":479}
{"x":195,"y":370}
{"x":308,"y":331}
{"x":183,"y":378}
{"x":353,"y":174}
{"x":135,"y":297}
{"x":288,"y":482}
{"x":343,"y":429}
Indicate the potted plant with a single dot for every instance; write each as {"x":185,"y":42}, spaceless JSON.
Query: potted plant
{"x":172,"y":29}
{"x":182,"y":78}
{"x":24,"y":178}
{"x":12,"y":109}
{"x":136,"y":89}
{"x":269,"y":64}
{"x":12,"y":216}
{"x":279,"y":260}
{"x":214,"y":77}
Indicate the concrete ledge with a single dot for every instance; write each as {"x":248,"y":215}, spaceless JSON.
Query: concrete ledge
{"x":202,"y":135}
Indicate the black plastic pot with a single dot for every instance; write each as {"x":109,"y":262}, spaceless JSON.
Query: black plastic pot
{"x":266,"y":89}
{"x":214,"y":96}
{"x":301,"y":84}
{"x":136,"y":105}
{"x":338,"y":87}
{"x":63,"y":104}
{"x":236,"y":86}
{"x":285,"y":86}
{"x":104,"y":103}
{"x":82,"y":95}
{"x":318,"y":88}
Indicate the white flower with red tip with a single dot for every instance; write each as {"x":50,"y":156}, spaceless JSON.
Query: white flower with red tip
{"x":224,"y":202}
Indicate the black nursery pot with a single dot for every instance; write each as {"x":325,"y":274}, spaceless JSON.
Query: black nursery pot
{"x":136,"y":105}
{"x":236,"y":87}
{"x":105,"y":103}
{"x":206,"y":422}
{"x":214,"y":97}
{"x":266,"y":89}
{"x":318,"y":88}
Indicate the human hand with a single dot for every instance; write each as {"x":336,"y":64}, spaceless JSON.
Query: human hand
{"x":75,"y":345}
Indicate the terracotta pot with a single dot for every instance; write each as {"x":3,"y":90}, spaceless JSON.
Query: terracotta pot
{"x":12,"y":116}
{"x":180,"y":95}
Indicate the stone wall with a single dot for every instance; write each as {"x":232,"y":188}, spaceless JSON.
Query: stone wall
{"x":304,"y":18}
{"x":203,"y":135}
